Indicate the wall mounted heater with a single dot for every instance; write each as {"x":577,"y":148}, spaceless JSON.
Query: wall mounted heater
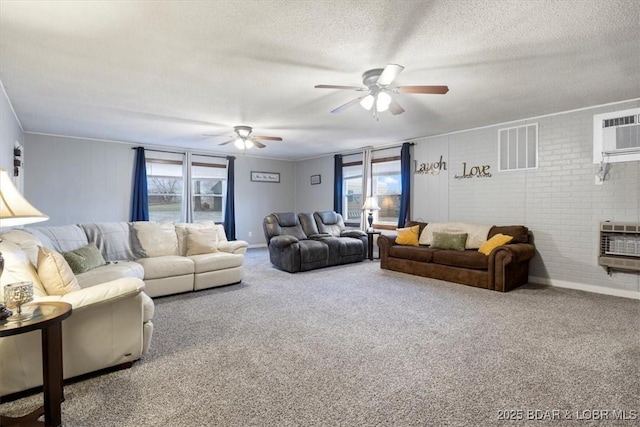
{"x":616,"y":136}
{"x":619,"y":246}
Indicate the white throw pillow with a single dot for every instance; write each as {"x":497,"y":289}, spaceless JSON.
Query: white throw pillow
{"x":181,"y":232}
{"x":55,"y":274}
{"x":157,"y":238}
{"x":201,"y":241}
{"x":477,"y":233}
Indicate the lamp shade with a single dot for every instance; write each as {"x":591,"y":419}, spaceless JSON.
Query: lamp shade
{"x":371,"y":204}
{"x":14,"y":208}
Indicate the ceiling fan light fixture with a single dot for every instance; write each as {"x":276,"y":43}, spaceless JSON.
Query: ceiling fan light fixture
{"x":382,"y":102}
{"x":239,"y":143}
{"x":248,"y":144}
{"x":367,"y":102}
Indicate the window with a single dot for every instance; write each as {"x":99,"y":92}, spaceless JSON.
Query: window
{"x":167,"y":192}
{"x":164,"y":186}
{"x":387,"y":187}
{"x":518,"y":147}
{"x":208,"y":189}
{"x":352,"y":191}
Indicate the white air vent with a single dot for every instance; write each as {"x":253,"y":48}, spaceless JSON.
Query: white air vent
{"x":616,"y":136}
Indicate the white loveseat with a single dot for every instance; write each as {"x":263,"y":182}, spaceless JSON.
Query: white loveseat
{"x":111,"y":321}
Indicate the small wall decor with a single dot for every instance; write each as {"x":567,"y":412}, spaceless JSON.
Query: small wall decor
{"x":433,"y":168}
{"x":257,"y":176}
{"x":481,"y":171}
{"x":315,"y":179}
{"x":17,"y":160}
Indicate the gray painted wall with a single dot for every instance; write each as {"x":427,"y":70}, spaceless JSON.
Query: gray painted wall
{"x":77,"y":180}
{"x":558,"y":201}
{"x":10,"y":133}
{"x":317,"y":197}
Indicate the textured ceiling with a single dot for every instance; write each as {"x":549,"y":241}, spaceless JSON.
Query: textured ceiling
{"x":164,"y":73}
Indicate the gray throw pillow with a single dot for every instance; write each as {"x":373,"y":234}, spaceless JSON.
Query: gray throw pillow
{"x":455,"y":242}
{"x":84,"y":259}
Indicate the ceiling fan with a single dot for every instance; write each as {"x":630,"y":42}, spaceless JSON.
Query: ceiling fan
{"x":379,"y":97}
{"x":245,"y":139}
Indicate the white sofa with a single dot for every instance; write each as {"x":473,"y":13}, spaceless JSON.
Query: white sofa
{"x":111,"y":324}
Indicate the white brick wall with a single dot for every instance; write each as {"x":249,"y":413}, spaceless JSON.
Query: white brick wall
{"x":558,"y":201}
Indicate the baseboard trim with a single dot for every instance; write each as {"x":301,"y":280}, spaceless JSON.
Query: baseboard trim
{"x":257,"y":245}
{"x":584,"y":287}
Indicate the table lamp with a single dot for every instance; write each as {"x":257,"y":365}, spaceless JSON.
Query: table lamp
{"x":372,"y":205}
{"x":14,"y":210}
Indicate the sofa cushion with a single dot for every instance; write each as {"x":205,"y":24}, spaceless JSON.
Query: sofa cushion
{"x":55,"y":274}
{"x":157,"y":238}
{"x":62,"y":238}
{"x":116,"y":240}
{"x":216,"y":261}
{"x":494,"y":242}
{"x":166,"y":266}
{"x":181,"y":232}
{"x":464,"y":259}
{"x":201,"y":241}
{"x":408,"y":236}
{"x":28,"y":242}
{"x":18,"y":268}
{"x":111,"y":271}
{"x":454,"y":242}
{"x":414,"y":253}
{"x":84,"y":259}
{"x":313,"y":251}
{"x":520,"y":233}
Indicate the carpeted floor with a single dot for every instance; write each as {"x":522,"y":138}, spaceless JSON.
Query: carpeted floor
{"x":357,"y":346}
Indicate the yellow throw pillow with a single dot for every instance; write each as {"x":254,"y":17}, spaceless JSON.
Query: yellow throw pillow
{"x":408,"y":236}
{"x":494,"y":242}
{"x":55,"y":274}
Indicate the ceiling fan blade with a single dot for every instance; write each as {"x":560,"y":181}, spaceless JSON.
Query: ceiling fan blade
{"x":438,"y":90}
{"x":358,"y":88}
{"x":228,"y":142}
{"x":267,"y":138}
{"x":347,"y":105}
{"x":257,"y":143}
{"x":389,"y":74}
{"x":215,"y":134}
{"x":395,"y":108}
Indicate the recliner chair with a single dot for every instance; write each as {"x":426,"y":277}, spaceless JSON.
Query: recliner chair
{"x":289,"y":247}
{"x":351,"y":245}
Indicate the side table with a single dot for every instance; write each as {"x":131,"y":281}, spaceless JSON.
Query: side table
{"x":370,"y":235}
{"x":48,"y":317}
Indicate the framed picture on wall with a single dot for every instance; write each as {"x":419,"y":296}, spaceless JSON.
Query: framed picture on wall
{"x":257,"y":176}
{"x":315,"y":179}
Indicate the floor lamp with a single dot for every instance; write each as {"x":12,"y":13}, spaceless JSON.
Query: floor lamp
{"x":14,"y":210}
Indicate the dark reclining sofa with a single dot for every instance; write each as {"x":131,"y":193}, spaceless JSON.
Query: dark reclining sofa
{"x":305,"y":241}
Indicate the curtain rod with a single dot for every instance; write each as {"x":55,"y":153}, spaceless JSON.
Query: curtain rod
{"x":181,"y":152}
{"x":347,"y":153}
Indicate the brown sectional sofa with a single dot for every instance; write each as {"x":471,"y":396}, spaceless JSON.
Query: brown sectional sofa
{"x":504,"y":269}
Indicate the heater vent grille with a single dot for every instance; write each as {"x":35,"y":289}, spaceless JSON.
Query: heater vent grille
{"x":619,"y":246}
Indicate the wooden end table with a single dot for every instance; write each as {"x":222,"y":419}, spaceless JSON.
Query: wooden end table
{"x":370,"y":234}
{"x":48,"y":317}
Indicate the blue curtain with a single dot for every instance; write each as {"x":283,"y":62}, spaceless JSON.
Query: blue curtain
{"x":405,"y":178}
{"x":230,"y":210}
{"x":140,"y":201}
{"x":337,"y":183}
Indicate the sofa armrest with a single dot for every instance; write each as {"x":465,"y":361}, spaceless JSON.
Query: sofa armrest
{"x":353,"y":233}
{"x":509,"y":266}
{"x":100,"y":294}
{"x":234,"y":246}
{"x":283,"y":241}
